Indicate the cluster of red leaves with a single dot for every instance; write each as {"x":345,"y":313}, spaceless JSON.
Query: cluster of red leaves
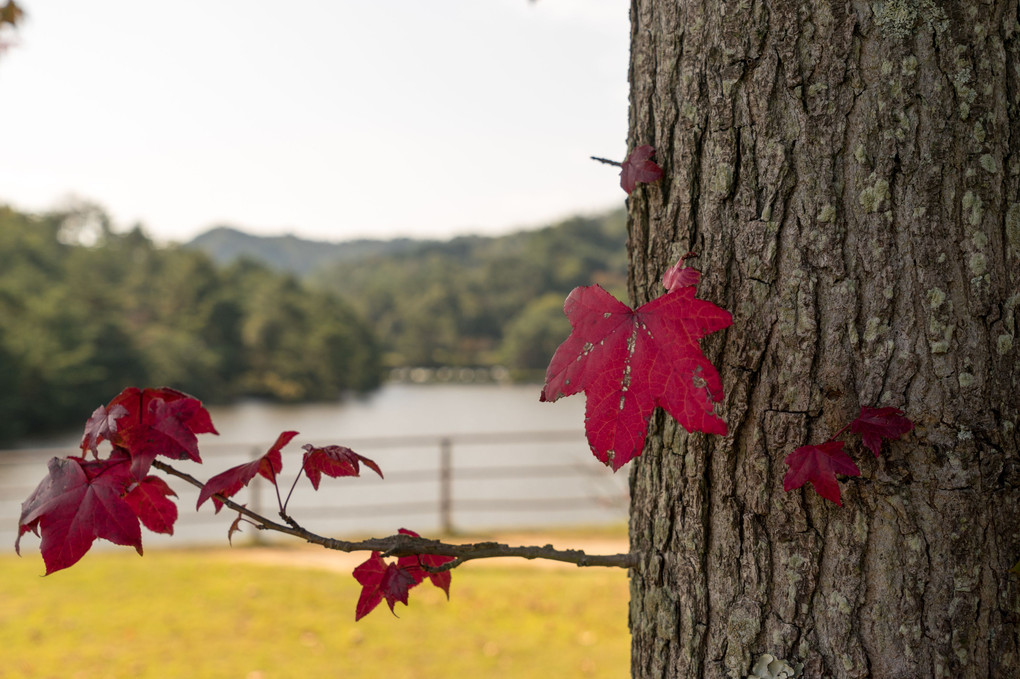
{"x":81,"y":500}
{"x":111,"y":497}
{"x":820,"y":464}
{"x":639,"y":167}
{"x":629,"y":361}
{"x":381,"y":579}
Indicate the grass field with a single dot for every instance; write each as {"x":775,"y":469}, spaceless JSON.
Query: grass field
{"x":201,"y":614}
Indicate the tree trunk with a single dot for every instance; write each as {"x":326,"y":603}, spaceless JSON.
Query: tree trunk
{"x":849,"y":173}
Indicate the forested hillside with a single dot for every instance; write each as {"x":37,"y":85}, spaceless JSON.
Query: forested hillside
{"x":470,"y":301}
{"x":85,"y":312}
{"x":482,"y":301}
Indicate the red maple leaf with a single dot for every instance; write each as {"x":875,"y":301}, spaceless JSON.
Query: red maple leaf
{"x":150,"y":422}
{"x":150,"y":501}
{"x":628,"y":362}
{"x":76,"y":503}
{"x":413,"y":565}
{"x":819,"y":465}
{"x":392,"y":581}
{"x":680,"y":275}
{"x":333,"y":461}
{"x":102,"y":426}
{"x":229,"y":482}
{"x":875,"y":424}
{"x":638,"y":167}
{"x":380,"y":580}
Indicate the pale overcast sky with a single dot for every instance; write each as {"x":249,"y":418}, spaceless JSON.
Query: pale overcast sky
{"x":330,"y":119}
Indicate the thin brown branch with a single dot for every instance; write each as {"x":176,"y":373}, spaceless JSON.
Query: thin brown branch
{"x":407,"y":545}
{"x":607,"y":161}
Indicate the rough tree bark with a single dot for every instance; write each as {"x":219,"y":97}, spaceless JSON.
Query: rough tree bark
{"x":850,"y":174}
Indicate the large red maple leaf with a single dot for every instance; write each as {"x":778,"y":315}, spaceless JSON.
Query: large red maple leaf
{"x":628,"y":361}
{"x":78,"y":502}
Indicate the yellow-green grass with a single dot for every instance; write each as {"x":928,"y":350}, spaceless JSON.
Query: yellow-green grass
{"x":195,"y":614}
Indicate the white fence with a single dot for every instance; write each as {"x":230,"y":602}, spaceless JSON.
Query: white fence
{"x":456,"y":482}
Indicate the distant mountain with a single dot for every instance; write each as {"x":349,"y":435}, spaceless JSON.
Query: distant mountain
{"x":290,"y":253}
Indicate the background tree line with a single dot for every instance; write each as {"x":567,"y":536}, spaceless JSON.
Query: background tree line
{"x":469,"y":301}
{"x":85,"y":311}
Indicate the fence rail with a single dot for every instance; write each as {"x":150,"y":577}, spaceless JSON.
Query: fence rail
{"x":450,"y":477}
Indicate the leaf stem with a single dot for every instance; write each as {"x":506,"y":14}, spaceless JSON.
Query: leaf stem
{"x":276,"y":487}
{"x":834,"y":436}
{"x":283,"y":508}
{"x":407,"y":545}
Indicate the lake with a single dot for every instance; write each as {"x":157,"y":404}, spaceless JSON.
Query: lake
{"x":512,"y":462}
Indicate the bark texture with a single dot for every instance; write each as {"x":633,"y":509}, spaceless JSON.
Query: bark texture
{"x":849,"y":172}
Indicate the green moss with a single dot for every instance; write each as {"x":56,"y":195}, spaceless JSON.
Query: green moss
{"x":722,"y":180}
{"x":872,"y":197}
{"x":1004,"y":344}
{"x":861,"y":154}
{"x":1013,"y":228}
{"x":978,"y":264}
{"x":979,"y":132}
{"x":972,"y":202}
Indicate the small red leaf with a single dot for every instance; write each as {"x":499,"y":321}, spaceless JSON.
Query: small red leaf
{"x":680,"y":276}
{"x":638,"y":167}
{"x":333,"y":461}
{"x":235,"y":527}
{"x":229,"y":482}
{"x":628,"y":361}
{"x":102,"y":426}
{"x":875,"y":424}
{"x":819,"y":465}
{"x":150,"y":500}
{"x":380,"y":580}
{"x":413,"y":565}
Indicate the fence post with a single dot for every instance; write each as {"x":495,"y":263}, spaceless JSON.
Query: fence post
{"x":446,"y":485}
{"x":255,"y":496}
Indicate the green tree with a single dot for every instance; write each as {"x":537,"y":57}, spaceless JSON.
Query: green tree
{"x":85,"y":311}
{"x":533,"y":335}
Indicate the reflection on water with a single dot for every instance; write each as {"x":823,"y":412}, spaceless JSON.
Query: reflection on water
{"x":495,"y":483}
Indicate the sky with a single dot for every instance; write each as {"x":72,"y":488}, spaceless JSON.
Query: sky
{"x":327,"y":119}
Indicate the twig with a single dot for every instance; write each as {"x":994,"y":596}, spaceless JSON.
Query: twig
{"x":607,"y":161}
{"x":407,"y":545}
